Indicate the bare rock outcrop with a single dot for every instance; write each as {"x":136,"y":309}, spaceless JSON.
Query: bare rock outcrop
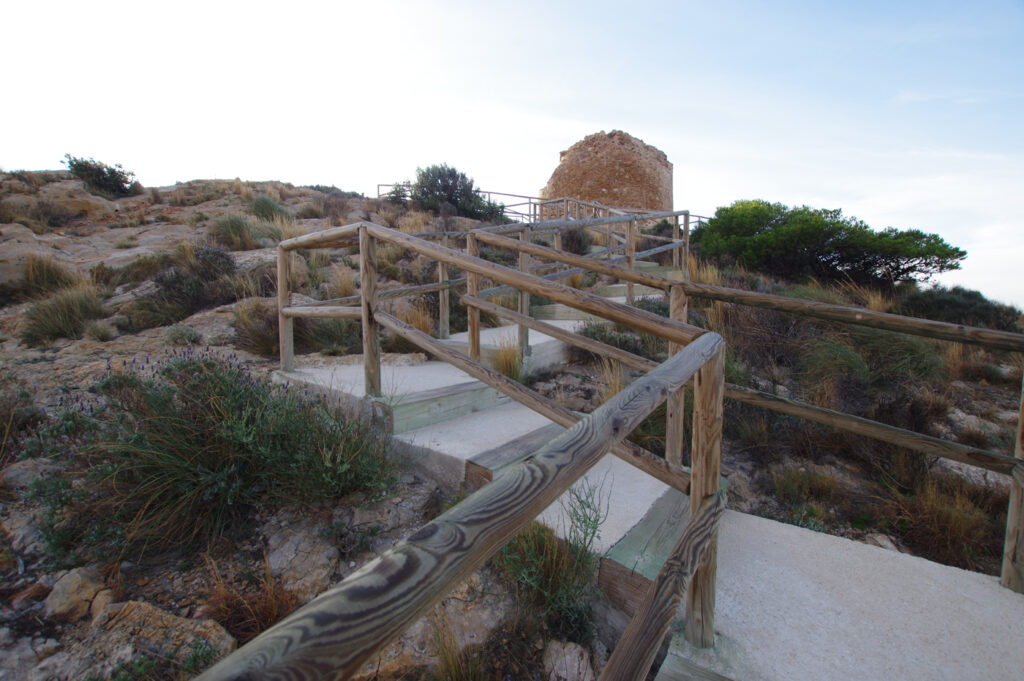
{"x":614,"y":169}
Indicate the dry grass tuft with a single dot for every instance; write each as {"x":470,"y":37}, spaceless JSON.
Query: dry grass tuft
{"x":44,"y":275}
{"x":703,"y":272}
{"x":418,"y":316}
{"x":415,"y":222}
{"x":454,"y":664}
{"x":247,"y":614}
{"x":868,"y":297}
{"x":506,"y":358}
{"x":343,"y":281}
{"x":612,"y":378}
{"x":63,"y":315}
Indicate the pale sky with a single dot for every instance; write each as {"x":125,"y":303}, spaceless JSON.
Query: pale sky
{"x":904,"y":114}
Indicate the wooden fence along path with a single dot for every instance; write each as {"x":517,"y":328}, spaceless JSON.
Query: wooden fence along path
{"x":332,"y":636}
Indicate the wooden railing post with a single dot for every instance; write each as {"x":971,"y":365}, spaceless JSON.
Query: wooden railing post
{"x":371,"y":331}
{"x":630,"y":256}
{"x":285,"y":325}
{"x":675,"y":427}
{"x":473,"y":289}
{"x":1012,"y":576}
{"x":686,"y":246}
{"x":443,"y":296}
{"x":524,"y":303}
{"x":705,"y":470}
{"x":675,"y":236}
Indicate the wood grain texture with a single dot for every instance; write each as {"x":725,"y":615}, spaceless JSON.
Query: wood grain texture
{"x":635,"y":652}
{"x":285,"y":326}
{"x":323,"y":312}
{"x":933,"y":446}
{"x":1012,"y":575}
{"x":995,"y":340}
{"x":322,"y":239}
{"x":655,"y":466}
{"x":331,"y":637}
{"x":644,"y":321}
{"x":705,"y":471}
{"x":368,"y":292}
{"x":630,"y":257}
{"x":524,"y":304}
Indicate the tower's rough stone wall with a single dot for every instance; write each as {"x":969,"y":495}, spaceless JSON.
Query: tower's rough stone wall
{"x":614,"y":169}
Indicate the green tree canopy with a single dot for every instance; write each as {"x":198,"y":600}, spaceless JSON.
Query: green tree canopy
{"x":797,"y":243}
{"x":440,"y":185}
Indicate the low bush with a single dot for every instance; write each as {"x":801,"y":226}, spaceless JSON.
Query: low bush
{"x":182,"y":334}
{"x":256,"y":330}
{"x":63,"y":315}
{"x":188,"y":447}
{"x":958,"y":305}
{"x":110,"y":181}
{"x":577,"y":240}
{"x":556,"y":576}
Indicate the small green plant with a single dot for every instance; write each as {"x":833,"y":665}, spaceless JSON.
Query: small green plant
{"x":63,"y":315}
{"x":110,"y":181}
{"x":558,"y":576}
{"x":234,"y":232}
{"x":182,"y":334}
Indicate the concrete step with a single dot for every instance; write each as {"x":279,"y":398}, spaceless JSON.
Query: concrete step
{"x":545,"y":352}
{"x":796,"y":604}
{"x":619,"y":291}
{"x":416,"y":394}
{"x":560,"y":312}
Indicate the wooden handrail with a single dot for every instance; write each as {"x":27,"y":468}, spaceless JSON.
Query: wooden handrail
{"x":995,"y":340}
{"x":635,"y":652}
{"x":335,"y":634}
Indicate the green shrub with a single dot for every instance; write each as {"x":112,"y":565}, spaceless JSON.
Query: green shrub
{"x":63,"y":315}
{"x":798,"y":243}
{"x":958,"y":305}
{"x":112,"y":182}
{"x":266,"y":208}
{"x":309,"y":211}
{"x":190,"y":446}
{"x":235,"y":233}
{"x":439,"y":186}
{"x":182,"y":334}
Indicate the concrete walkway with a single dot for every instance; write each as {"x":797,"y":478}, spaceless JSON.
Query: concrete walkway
{"x":794,"y":604}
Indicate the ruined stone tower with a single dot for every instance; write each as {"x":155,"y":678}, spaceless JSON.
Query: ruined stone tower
{"x":614,"y":169}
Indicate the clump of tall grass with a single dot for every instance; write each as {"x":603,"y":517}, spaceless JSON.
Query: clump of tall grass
{"x":189,"y":446}
{"x":62,"y":315}
{"x":506,"y":358}
{"x":43,"y":275}
{"x":577,"y":240}
{"x":256,"y":326}
{"x":246,"y":614}
{"x":266,"y":208}
{"x":236,"y":233}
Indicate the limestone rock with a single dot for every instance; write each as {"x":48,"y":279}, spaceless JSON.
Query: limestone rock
{"x":567,"y":662}
{"x":299,"y":556}
{"x":614,"y":169}
{"x":71,"y":595}
{"x":121,"y":632}
{"x":21,"y":474}
{"x":22,"y":527}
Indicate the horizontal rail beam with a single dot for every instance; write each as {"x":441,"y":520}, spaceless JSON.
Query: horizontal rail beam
{"x":602,"y":266}
{"x":322,"y":312}
{"x":645,"y":321}
{"x":933,"y":446}
{"x":547,"y":225}
{"x":322,"y":238}
{"x":996,"y":340}
{"x":335,"y":634}
{"x":635,"y":652}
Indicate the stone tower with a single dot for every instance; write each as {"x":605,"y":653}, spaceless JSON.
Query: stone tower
{"x":614,"y":169}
